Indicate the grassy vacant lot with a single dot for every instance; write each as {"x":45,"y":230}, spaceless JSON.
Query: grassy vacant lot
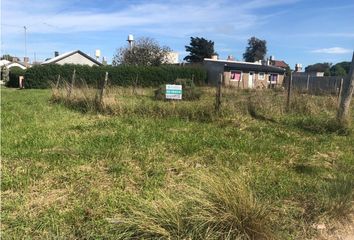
{"x":146,"y":171}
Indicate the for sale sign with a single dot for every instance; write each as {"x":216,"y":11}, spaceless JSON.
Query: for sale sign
{"x":173,"y":91}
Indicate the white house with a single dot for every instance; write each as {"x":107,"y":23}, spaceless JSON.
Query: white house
{"x":171,"y":58}
{"x":73,"y":57}
{"x":8,"y":64}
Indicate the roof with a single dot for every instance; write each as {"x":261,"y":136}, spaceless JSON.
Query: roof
{"x":9,"y":64}
{"x":4,"y":62}
{"x":245,"y":66}
{"x":67,"y":54}
{"x":16,"y":64}
{"x":279,"y":63}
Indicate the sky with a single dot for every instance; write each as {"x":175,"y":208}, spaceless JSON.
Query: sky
{"x":296,"y":31}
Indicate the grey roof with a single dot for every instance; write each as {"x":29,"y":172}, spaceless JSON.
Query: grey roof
{"x":64,"y":55}
{"x":245,"y":66}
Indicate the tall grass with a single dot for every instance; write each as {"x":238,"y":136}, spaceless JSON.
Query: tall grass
{"x":213,"y":207}
{"x":153,"y":176}
{"x":266,"y":105}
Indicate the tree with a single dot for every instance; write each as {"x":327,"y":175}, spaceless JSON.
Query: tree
{"x":256,"y":50}
{"x":8,"y":57}
{"x":338,"y":70}
{"x":145,"y":52}
{"x":199,"y":48}
{"x":318,"y":67}
{"x":287,"y":71}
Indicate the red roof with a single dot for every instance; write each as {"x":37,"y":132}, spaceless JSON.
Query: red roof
{"x":278,"y":63}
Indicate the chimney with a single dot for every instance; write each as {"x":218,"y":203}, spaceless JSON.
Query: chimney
{"x":214,"y":57}
{"x":230,"y":58}
{"x":298,"y":67}
{"x":26,"y":61}
{"x":272,"y":58}
{"x":56,"y":54}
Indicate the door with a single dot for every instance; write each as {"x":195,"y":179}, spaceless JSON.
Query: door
{"x":250,"y":79}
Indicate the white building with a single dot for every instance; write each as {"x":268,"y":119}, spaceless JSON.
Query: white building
{"x":73,"y":57}
{"x":8,"y":64}
{"x":172,"y":58}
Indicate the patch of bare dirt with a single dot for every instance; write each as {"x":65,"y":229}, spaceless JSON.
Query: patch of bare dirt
{"x":343,"y":230}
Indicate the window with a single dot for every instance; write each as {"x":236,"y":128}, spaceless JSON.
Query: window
{"x":236,"y":76}
{"x":261,"y":76}
{"x":273,"y":78}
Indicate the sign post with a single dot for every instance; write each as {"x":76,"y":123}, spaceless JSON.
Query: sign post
{"x":173,"y":91}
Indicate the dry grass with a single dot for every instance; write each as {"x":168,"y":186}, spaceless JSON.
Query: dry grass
{"x":154,"y":175}
{"x":214,"y":207}
{"x":268,"y":105}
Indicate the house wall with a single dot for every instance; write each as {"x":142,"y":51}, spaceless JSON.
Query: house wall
{"x":257,"y":82}
{"x":76,"y":59}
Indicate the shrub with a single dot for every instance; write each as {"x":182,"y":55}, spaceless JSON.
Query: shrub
{"x":217,"y":207}
{"x":189,"y":90}
{"x":15,"y":73}
{"x":42,"y":76}
{"x":4,"y":74}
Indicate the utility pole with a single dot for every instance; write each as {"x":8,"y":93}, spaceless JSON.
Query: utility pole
{"x":25,"y":40}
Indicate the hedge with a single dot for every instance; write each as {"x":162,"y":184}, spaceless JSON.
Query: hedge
{"x":43,"y":75}
{"x":14,"y":74}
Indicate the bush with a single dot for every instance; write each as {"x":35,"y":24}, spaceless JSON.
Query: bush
{"x":42,"y":76}
{"x":218,"y":207}
{"x":15,"y":73}
{"x":189,"y":90}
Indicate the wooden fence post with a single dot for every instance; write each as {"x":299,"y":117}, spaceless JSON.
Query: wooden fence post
{"x":103,"y":88}
{"x":289,"y":92}
{"x":218,"y":93}
{"x":346,"y":96}
{"x":71,"y":88}
{"x":135,"y":85}
{"x":340,"y":89}
{"x":308,"y":82}
{"x":57,"y":84}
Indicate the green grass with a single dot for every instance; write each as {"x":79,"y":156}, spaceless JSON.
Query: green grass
{"x":149,"y":172}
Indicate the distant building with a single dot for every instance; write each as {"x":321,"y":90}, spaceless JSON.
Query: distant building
{"x":298,"y":72}
{"x":9,"y":64}
{"x":73,"y":57}
{"x":172,"y":58}
{"x":243,"y":74}
{"x":279,"y":63}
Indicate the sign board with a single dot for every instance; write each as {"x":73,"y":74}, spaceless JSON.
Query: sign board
{"x":173,"y":91}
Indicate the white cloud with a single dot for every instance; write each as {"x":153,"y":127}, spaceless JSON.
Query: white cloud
{"x":61,"y":23}
{"x":333,"y":50}
{"x":169,"y":18}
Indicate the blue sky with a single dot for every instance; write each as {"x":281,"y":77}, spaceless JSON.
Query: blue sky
{"x":297,"y":31}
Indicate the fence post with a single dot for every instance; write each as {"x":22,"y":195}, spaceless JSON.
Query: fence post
{"x":57,"y":84}
{"x":340,"y":89}
{"x":289,"y":92}
{"x":102,"y":89}
{"x":135,"y":85}
{"x":218,"y":94}
{"x":308,"y":82}
{"x":346,"y":96}
{"x":71,"y":88}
